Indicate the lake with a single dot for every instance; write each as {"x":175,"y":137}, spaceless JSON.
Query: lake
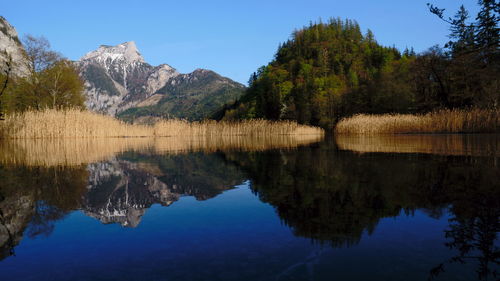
{"x":414,"y":207}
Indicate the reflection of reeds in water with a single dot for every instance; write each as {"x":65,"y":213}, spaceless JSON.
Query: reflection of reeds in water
{"x":244,"y":143}
{"x":69,"y":152}
{"x":66,"y":152}
{"x":470,"y":145}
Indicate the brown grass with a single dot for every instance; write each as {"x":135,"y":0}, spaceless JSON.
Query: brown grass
{"x":80,"y":151}
{"x":72,"y":123}
{"x":451,"y":144}
{"x":212,"y":128}
{"x":442,"y":121}
{"x":76,"y":123}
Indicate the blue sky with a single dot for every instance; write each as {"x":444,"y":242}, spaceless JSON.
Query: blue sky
{"x":232,"y":38}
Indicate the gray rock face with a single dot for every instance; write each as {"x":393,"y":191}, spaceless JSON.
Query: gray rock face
{"x":11,"y":46}
{"x":118,"y":78}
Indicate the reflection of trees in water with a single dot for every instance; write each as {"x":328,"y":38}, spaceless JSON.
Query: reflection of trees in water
{"x":473,"y":232}
{"x":324,"y":194}
{"x":195,"y":174}
{"x":34,"y":198}
{"x":334,"y":197}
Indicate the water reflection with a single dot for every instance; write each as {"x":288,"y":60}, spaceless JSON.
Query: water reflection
{"x":32,"y":199}
{"x":122,"y":189}
{"x":70,"y":152}
{"x":446,"y":144}
{"x":322,"y":191}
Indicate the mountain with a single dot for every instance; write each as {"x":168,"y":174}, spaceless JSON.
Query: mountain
{"x":120,"y":83}
{"x":10,"y":45}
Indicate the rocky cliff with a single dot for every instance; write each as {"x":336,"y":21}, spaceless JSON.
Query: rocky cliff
{"x":119,"y":82}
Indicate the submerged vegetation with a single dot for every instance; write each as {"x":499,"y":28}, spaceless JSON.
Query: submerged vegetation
{"x":442,"y":121}
{"x":76,"y":123}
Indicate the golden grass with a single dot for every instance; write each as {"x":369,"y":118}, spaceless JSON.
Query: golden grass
{"x":74,"y":123}
{"x":71,"y":123}
{"x":80,"y":151}
{"x":454,"y":144}
{"x":442,"y":121}
{"x":253,"y":127}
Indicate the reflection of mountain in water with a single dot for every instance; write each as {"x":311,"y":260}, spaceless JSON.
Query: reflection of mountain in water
{"x":322,"y":193}
{"x":119,"y":192}
{"x":122,"y":189}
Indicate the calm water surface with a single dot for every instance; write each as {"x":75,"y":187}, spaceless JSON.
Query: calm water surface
{"x":407,"y":208}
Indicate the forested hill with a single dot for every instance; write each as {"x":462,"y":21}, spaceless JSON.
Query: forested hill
{"x":327,"y":71}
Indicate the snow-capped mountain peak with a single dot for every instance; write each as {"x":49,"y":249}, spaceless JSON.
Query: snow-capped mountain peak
{"x":117,"y":78}
{"x":123,"y":52}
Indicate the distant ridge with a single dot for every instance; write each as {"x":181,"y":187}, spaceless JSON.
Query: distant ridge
{"x":119,"y":82}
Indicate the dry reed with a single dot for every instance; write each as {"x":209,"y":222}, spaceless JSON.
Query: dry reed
{"x":442,"y":121}
{"x":74,"y":123}
{"x":212,"y":128}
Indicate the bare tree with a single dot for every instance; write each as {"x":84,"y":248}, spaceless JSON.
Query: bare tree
{"x":38,"y":53}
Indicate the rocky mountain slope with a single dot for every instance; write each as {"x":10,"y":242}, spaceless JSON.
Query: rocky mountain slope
{"x":10,"y":46}
{"x":119,"y":82}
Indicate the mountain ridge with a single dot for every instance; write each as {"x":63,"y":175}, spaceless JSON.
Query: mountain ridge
{"x":117,"y":78}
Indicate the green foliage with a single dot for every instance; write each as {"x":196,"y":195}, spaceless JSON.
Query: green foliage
{"x":58,"y":86}
{"x":194,"y":98}
{"x":468,"y":74}
{"x":52,"y":82}
{"x":326,"y":71}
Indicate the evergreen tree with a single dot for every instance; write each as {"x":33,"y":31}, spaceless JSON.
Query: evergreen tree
{"x":462,"y":32}
{"x":487,"y":33}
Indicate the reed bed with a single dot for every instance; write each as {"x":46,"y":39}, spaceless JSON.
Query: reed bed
{"x":75,"y":123}
{"x":451,"y":144}
{"x":253,"y":127}
{"x":442,"y":121}
{"x":71,"y":123}
{"x":80,"y":151}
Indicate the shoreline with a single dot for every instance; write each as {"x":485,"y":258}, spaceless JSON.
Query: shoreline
{"x":463,"y":121}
